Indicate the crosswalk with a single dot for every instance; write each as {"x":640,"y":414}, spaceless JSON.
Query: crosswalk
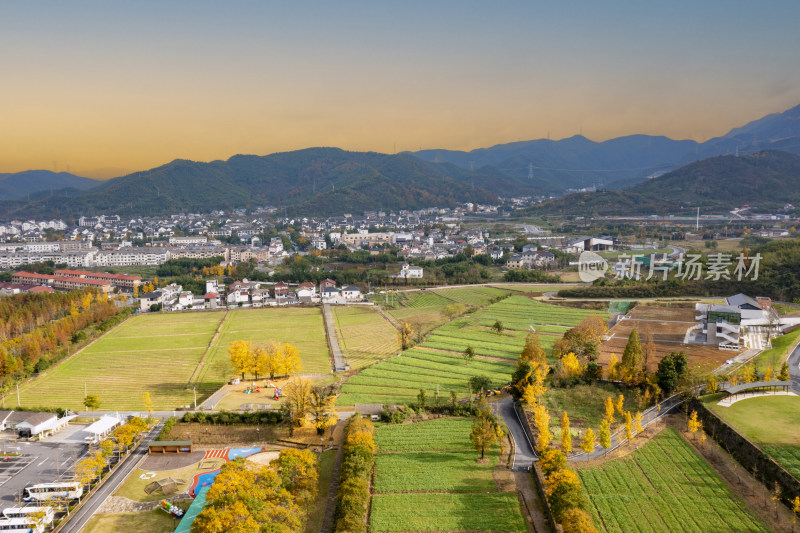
{"x":216,"y":454}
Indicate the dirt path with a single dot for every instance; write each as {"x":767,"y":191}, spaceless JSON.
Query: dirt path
{"x":531,"y":502}
{"x":328,"y":522}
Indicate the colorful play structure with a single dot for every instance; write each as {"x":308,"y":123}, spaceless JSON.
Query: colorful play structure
{"x":175,"y":511}
{"x":253,"y":388}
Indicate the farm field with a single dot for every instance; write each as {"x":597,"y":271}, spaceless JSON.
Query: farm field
{"x":364,"y":335}
{"x":447,"y":490}
{"x":668,"y":326}
{"x":787,"y":456}
{"x":664,"y":486}
{"x":423,"y":309}
{"x":166,"y":354}
{"x":439,"y":361}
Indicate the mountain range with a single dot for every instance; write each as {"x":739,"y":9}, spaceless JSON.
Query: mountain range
{"x":327,"y":181}
{"x":578,"y":162}
{"x":22,"y":184}
{"x":767,"y":180}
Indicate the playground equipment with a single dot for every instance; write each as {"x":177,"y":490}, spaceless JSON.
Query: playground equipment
{"x":278,"y":394}
{"x":171,"y":509}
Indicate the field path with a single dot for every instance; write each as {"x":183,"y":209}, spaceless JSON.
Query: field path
{"x":198,"y":370}
{"x":333,"y":339}
{"x":389,"y":318}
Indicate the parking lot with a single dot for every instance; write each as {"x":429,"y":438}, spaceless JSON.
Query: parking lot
{"x":40,"y":462}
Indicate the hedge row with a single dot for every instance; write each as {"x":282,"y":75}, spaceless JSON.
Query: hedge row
{"x":352,"y":500}
{"x":225,"y":418}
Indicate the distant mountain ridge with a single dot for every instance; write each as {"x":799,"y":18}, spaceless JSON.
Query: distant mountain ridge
{"x":316,"y":180}
{"x":326,"y":181}
{"x":765,"y":180}
{"x":578,"y":162}
{"x":30,"y":182}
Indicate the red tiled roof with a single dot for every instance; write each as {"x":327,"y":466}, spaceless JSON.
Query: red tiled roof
{"x":40,"y":288}
{"x":210,"y":295}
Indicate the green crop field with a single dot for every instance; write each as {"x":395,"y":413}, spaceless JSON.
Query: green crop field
{"x":664,"y":486}
{"x":364,"y":335}
{"x":787,"y":456}
{"x":168,"y":354}
{"x":439,"y":361}
{"x":427,"y":479}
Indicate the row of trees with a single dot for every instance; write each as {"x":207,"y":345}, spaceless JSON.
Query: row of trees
{"x":23,"y":313}
{"x":269,"y":358}
{"x":92,"y":466}
{"x":352,"y":499}
{"x":247,"y":499}
{"x":37,"y":349}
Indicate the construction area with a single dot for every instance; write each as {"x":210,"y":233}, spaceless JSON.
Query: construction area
{"x":667,"y":325}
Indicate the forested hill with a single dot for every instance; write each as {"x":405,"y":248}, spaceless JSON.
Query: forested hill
{"x":767,"y":180}
{"x":315,"y":181}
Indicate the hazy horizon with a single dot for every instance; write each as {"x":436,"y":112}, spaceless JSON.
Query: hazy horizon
{"x":102,"y":90}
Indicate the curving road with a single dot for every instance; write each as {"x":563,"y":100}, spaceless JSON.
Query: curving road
{"x":524,"y":455}
{"x":794,"y":368}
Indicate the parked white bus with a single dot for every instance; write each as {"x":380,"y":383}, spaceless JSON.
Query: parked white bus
{"x":21,"y":525}
{"x":68,"y":490}
{"x":45,"y":514}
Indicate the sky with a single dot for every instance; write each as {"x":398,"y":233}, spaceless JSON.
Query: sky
{"x":103,"y":88}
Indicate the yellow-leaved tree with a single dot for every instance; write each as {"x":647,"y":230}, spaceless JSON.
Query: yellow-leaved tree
{"x":566,"y":438}
{"x":609,"y":410}
{"x":570,"y":365}
{"x":588,"y":441}
{"x":541,"y":419}
{"x":239,"y":353}
{"x":323,"y":404}
{"x":605,"y":434}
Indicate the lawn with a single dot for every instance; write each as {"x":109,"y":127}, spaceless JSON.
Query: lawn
{"x":776,"y":355}
{"x":167,"y":355}
{"x":439,"y":361}
{"x":664,"y":486}
{"x":156,"y":521}
{"x":772,"y":420}
{"x":364,"y":335}
{"x":427,"y":479}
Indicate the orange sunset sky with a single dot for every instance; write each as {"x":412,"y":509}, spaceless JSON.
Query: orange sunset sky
{"x":106,"y":88}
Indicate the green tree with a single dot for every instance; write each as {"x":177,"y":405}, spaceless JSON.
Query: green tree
{"x":784,"y":373}
{"x":671,"y":369}
{"x":633,"y":357}
{"x":421,"y":397}
{"x":480,"y":384}
{"x":498,"y":326}
{"x":469,"y":354}
{"x":483,"y":434}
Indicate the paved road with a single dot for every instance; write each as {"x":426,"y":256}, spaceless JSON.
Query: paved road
{"x":794,"y":368}
{"x":78,"y":520}
{"x":524,"y":455}
{"x":618,"y":438}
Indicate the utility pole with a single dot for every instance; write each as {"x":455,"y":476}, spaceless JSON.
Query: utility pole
{"x":18,"y":402}
{"x":195,"y":397}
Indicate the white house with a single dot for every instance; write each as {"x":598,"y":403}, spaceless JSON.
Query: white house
{"x":410,"y":272}
{"x":351,"y":292}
